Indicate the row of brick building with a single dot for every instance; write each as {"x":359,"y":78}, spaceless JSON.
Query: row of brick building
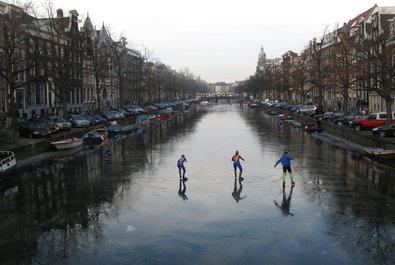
{"x":59,"y":64}
{"x":341,"y":85}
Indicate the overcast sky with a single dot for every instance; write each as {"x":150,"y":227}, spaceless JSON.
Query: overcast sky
{"x":219,"y":40}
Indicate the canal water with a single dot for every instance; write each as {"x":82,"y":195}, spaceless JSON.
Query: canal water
{"x":123,"y":203}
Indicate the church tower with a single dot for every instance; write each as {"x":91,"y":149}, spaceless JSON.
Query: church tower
{"x":261,"y":61}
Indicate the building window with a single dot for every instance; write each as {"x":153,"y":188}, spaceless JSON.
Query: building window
{"x":32,"y":94}
{"x":19,"y":98}
{"x":41,"y":94}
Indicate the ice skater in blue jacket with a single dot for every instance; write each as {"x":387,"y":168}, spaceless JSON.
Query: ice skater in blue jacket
{"x":285,"y":160}
{"x":180,"y":165}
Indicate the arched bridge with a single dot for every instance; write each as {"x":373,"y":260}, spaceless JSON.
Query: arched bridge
{"x":208,"y":96}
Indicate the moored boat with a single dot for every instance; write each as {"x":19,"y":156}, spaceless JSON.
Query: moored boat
{"x":142,"y":119}
{"x":380,"y":152}
{"x":165,"y":114}
{"x":130,"y":128}
{"x":67,"y":143}
{"x":93,"y":138}
{"x":7,"y":160}
{"x":114,"y":129}
{"x":8,"y":188}
{"x":101,"y":130}
{"x":313,"y":129}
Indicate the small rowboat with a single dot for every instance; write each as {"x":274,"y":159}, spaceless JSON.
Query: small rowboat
{"x":143,"y":119}
{"x":380,"y":152}
{"x":101,"y":130}
{"x":67,"y":143}
{"x":7,"y":160}
{"x":114,"y":129}
{"x":165,"y":114}
{"x":92,"y":138}
{"x":313,"y":129}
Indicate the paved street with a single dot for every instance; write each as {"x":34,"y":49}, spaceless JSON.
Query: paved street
{"x":132,"y":209}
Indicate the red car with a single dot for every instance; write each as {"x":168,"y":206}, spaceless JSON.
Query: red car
{"x":371,"y":121}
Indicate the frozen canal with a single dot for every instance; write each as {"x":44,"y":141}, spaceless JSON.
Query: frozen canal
{"x":132,"y":208}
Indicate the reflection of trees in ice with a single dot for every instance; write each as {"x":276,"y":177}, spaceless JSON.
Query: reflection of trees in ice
{"x":362,"y":227}
{"x":353,"y":195}
{"x":62,"y":205}
{"x":359,"y":214}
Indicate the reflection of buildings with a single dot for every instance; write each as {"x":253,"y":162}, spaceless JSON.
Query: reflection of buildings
{"x":59,"y":204}
{"x":354,"y":196}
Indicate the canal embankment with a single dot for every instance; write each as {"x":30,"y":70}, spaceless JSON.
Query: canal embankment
{"x":25,"y":148}
{"x":364,"y":138}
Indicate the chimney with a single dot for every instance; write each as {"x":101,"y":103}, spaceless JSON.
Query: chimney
{"x":59,"y":12}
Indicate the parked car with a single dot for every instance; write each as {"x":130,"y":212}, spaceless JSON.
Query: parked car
{"x":293,"y":109}
{"x":111,"y":115}
{"x":322,"y":115}
{"x":385,"y":130}
{"x":33,"y":129}
{"x":151,"y":110}
{"x":307,"y":110}
{"x":118,"y":113}
{"x":371,"y":121}
{"x":332,"y":116}
{"x":122,"y":112}
{"x":99,"y":119}
{"x":139,"y":109}
{"x":79,"y":121}
{"x":131,"y":111}
{"x":62,"y":123}
{"x":91,"y":120}
{"x":49,"y":124}
{"x":345,"y":120}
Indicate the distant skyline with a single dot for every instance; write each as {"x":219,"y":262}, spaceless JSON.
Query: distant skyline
{"x":218,"y":40}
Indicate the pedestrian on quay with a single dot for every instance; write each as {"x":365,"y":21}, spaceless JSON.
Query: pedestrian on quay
{"x":280,"y":125}
{"x":180,"y":165}
{"x":285,"y":160}
{"x":236,"y":164}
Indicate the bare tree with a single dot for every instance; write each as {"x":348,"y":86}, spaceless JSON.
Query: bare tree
{"x":285,"y":84}
{"x":188,"y":82}
{"x":15,"y":23}
{"x":144,"y":93}
{"x":61,"y":54}
{"x":118,"y":52}
{"x":318,"y":69}
{"x":269,"y":82}
{"x":300,"y":78}
{"x":96,"y":61}
{"x":343,"y":65}
{"x":376,"y":61}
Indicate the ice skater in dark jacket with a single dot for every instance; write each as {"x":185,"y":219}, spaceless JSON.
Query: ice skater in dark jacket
{"x":180,"y":165}
{"x":285,"y":160}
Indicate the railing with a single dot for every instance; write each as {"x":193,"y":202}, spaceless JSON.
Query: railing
{"x":217,"y":95}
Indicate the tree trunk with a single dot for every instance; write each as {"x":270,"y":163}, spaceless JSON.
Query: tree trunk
{"x":98,"y":102}
{"x":320,"y":98}
{"x":345,"y":101}
{"x":13,"y":112}
{"x":388,"y":102}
